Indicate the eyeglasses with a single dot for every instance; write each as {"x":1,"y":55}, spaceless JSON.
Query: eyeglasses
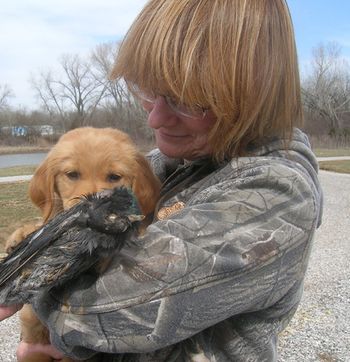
{"x":180,"y":109}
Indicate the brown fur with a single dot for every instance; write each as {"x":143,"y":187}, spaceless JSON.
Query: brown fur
{"x":84,"y":161}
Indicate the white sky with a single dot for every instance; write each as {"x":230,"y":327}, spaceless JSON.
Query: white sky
{"x":34,"y":34}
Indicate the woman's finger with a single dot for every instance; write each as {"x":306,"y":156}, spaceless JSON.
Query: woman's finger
{"x":25,"y":349}
{"x":8,"y":311}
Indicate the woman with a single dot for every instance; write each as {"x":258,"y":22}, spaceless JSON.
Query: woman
{"x":221,"y":269}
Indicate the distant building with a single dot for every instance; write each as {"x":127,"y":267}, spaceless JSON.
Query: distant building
{"x":19,"y":131}
{"x":45,"y":130}
{"x":22,"y":131}
{"x":6,"y":131}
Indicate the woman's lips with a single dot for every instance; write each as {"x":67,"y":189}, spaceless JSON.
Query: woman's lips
{"x":169,"y":135}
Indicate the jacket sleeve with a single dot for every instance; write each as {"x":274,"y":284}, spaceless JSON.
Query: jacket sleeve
{"x":237,"y":246}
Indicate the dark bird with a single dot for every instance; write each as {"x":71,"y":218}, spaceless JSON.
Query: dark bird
{"x":71,"y":243}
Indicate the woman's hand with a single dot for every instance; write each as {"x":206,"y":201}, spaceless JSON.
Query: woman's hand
{"x":8,"y":311}
{"x":25,"y":349}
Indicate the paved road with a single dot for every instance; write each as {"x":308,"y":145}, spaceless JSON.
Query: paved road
{"x":336,"y":158}
{"x":320,"y":331}
{"x":8,"y":179}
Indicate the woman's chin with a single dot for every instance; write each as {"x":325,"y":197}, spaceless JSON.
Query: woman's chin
{"x":182,"y":147}
{"x":171,"y":149}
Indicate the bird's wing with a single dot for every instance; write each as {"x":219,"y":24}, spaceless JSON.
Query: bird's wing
{"x":34,"y":243}
{"x":91,"y":211}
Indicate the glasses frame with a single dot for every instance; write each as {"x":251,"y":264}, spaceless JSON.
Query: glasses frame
{"x":178,"y":108}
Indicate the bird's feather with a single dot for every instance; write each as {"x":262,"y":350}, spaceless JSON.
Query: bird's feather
{"x":68,"y":245}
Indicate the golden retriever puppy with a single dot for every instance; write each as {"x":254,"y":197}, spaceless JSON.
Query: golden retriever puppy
{"x":84,"y":161}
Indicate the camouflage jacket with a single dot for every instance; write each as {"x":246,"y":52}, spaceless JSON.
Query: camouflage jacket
{"x":216,"y":276}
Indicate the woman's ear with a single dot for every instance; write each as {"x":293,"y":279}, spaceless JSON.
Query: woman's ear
{"x":42,"y":190}
{"x":146,"y":185}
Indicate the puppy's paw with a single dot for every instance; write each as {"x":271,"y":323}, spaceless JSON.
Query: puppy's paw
{"x":18,"y":235}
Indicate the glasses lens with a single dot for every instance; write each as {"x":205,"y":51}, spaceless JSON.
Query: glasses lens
{"x":179,"y":108}
{"x":183,"y":109}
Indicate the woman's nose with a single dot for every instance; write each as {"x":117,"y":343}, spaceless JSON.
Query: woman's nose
{"x":160,"y":114}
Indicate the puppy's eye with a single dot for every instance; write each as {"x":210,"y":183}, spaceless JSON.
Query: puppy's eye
{"x":73,"y":175}
{"x":113,"y":177}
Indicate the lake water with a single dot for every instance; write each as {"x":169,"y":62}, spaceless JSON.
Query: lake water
{"x":21,"y":159}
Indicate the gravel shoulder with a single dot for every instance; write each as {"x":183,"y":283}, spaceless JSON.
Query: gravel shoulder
{"x":320,"y":330}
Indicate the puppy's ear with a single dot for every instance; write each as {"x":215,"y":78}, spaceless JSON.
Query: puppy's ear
{"x":42,"y":190}
{"x":146,"y":186}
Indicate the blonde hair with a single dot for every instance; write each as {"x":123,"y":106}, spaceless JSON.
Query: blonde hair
{"x":235,"y":57}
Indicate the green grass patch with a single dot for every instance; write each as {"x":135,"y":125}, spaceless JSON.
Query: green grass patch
{"x":15,"y":209}
{"x":329,"y":152}
{"x":342,"y":166}
{"x":17,"y":171}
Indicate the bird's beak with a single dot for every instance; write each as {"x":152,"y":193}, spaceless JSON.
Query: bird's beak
{"x":134,"y":218}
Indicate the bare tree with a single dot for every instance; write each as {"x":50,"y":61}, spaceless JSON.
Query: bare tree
{"x":46,"y":89}
{"x":74,"y":94}
{"x":326,"y":90}
{"x":5,"y":94}
{"x":124,"y":109}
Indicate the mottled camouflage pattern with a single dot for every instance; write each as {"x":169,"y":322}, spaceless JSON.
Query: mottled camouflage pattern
{"x":216,"y":281}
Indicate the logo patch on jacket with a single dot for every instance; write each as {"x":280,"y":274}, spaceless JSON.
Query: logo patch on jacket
{"x":167,"y":211}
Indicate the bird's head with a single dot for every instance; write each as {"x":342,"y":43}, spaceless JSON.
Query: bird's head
{"x":113,"y":211}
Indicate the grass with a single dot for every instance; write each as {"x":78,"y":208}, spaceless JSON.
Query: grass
{"x":342,"y":166}
{"x":15,"y":209}
{"x":17,"y":171}
{"x":330,"y":152}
